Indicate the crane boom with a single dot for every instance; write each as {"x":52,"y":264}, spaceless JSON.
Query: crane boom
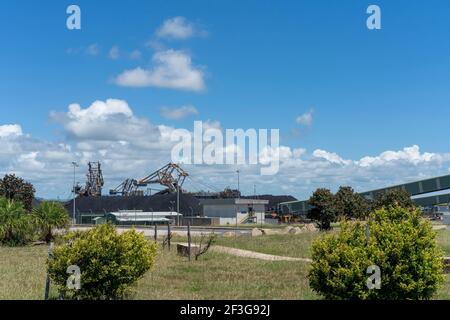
{"x":172,"y":176}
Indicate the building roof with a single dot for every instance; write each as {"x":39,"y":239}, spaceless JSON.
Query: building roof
{"x":189,"y":205}
{"x":141,"y":214}
{"x":242,"y":201}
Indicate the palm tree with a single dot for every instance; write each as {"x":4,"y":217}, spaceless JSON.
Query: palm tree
{"x":15,"y":223}
{"x":50,"y":215}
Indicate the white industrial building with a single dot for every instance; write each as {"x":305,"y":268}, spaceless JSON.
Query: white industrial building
{"x":124,"y":217}
{"x":235,"y":211}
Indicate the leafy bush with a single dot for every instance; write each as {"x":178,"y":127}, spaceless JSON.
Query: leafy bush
{"x":397,"y":240}
{"x":109,"y":262}
{"x":16,"y":226}
{"x":15,"y":188}
{"x":50,"y":215}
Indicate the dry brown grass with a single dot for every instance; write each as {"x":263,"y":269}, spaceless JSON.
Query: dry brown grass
{"x":220,"y":276}
{"x":214,"y":276}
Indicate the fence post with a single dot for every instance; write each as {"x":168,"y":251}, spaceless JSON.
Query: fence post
{"x":156,"y":232}
{"x":47,"y":280}
{"x":168,"y":235}
{"x":189,"y":239}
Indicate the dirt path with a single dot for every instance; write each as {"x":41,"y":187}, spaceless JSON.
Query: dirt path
{"x":255,"y":255}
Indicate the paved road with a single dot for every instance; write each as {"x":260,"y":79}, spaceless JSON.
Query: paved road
{"x":255,"y":255}
{"x":181,"y":231}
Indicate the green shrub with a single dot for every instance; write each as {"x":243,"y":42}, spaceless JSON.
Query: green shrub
{"x":109,"y":262}
{"x":397,"y":240}
{"x":50,"y":215}
{"x":16,"y":226}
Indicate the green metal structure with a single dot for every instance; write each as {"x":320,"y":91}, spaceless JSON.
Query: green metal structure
{"x":414,"y":188}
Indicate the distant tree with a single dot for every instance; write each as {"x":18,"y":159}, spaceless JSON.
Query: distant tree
{"x":350,"y":205}
{"x":324,"y":208}
{"x":49,"y":216}
{"x":393,"y":198}
{"x":15,"y":188}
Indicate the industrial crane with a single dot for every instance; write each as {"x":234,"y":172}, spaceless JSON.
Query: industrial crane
{"x":94,"y":182}
{"x":171,"y":176}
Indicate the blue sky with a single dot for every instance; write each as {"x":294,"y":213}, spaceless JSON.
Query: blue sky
{"x":263,"y":64}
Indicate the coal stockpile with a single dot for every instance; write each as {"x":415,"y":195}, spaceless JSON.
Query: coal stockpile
{"x":189,"y":205}
{"x":273,"y":200}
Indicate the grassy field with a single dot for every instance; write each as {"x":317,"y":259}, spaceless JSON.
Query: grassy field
{"x":214,"y":276}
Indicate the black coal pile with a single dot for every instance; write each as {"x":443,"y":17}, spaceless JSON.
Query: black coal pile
{"x":273,"y":200}
{"x":189,"y":205}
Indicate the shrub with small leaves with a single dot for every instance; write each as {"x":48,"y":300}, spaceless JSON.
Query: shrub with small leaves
{"x":109,"y":262}
{"x":397,"y":240}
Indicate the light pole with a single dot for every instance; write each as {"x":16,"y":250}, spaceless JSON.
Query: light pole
{"x":153,"y":219}
{"x":178,"y":204}
{"x":75,"y":165}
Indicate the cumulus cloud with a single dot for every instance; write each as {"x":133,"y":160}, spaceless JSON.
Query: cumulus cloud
{"x":178,"y":113}
{"x":409,"y":154}
{"x":106,"y":122}
{"x":10,"y":129}
{"x":330,"y":157}
{"x":177,"y":28}
{"x":305,"y":119}
{"x":172,"y":69}
{"x":131,"y":147}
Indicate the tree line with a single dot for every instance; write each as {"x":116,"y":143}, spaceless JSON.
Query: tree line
{"x":346,"y":204}
{"x":20,"y":222}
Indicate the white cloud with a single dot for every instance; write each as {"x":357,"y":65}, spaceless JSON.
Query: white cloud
{"x":104,"y":123}
{"x":10,"y":129}
{"x":176,"y":28}
{"x":114,"y":53}
{"x":131,"y":147}
{"x":410,"y":154}
{"x":330,"y":157}
{"x":172,"y":69}
{"x":178,"y":113}
{"x":305,"y":119}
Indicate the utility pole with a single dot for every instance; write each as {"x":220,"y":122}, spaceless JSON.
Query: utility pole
{"x":75,"y":165}
{"x":239,"y":187}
